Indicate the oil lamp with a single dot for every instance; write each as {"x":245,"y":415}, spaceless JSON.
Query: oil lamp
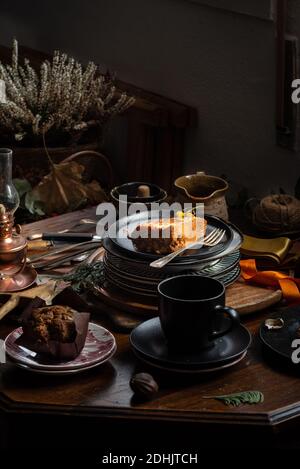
{"x":13,"y":246}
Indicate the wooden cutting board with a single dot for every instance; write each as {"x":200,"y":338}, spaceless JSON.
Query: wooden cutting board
{"x":247,"y":299}
{"x":127,"y":312}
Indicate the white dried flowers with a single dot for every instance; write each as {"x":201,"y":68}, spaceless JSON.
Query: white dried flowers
{"x":61,"y":99}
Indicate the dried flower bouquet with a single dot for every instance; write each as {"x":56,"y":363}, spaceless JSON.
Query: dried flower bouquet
{"x":60,"y":101}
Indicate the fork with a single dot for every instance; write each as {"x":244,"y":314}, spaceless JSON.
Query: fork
{"x":212,"y":239}
{"x":51,"y":264}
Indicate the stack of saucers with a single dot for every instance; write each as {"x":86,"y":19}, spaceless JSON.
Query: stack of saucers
{"x":129,"y":270}
{"x":99,"y":347}
{"x":149,"y":345}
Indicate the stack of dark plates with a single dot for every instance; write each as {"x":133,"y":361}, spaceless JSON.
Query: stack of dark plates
{"x":129,"y":270}
{"x":150,"y":346}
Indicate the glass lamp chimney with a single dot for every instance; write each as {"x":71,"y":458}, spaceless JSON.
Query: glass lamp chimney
{"x":9,"y":196}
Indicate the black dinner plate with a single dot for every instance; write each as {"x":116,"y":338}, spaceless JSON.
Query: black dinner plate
{"x":126,"y":225}
{"x":187,"y":370}
{"x":227,"y":280}
{"x":175,"y":266}
{"x":149,"y":341}
{"x":143,"y":274}
{"x":150,"y":290}
{"x":280,"y":341}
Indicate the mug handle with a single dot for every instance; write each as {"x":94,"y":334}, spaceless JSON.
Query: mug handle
{"x":234,"y":320}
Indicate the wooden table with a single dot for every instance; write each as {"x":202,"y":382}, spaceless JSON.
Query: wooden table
{"x":98,"y":408}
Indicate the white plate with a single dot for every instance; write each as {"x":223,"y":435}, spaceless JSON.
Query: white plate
{"x":98,"y":346}
{"x":63,"y":372}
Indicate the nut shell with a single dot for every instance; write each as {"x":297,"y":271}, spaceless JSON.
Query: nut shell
{"x":274,"y":323}
{"x":144,"y":385}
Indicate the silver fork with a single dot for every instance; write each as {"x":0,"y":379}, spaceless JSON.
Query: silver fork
{"x":212,"y":239}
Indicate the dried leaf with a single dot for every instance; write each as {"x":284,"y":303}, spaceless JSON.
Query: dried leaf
{"x":46,"y":292}
{"x":63,"y":189}
{"x":11,"y":304}
{"x":235,"y":400}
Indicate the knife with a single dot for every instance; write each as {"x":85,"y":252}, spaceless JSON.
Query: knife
{"x":71,"y":237}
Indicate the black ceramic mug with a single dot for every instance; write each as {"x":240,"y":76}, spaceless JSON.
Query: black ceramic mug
{"x":190,"y":308}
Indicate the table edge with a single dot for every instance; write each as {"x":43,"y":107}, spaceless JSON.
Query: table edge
{"x":267,"y":419}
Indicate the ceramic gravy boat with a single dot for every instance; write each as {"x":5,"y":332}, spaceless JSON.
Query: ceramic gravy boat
{"x":201,"y":188}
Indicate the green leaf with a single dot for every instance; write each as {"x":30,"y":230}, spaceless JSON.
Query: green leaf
{"x":22,"y":185}
{"x":86,"y":276}
{"x":246,"y":397}
{"x":33,"y":205}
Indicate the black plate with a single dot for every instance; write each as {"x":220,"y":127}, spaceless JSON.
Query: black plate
{"x":144,"y":288}
{"x":143,"y":274}
{"x":280,"y":341}
{"x":148,"y":340}
{"x":126,"y":225}
{"x":140,"y":292}
{"x":187,"y":370}
{"x":173,"y":267}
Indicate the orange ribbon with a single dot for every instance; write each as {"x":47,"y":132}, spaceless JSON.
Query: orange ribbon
{"x":289,"y":285}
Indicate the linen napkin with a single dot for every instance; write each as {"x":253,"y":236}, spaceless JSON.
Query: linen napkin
{"x":273,"y":249}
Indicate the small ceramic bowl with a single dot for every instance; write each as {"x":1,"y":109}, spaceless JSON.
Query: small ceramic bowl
{"x":156,"y":193}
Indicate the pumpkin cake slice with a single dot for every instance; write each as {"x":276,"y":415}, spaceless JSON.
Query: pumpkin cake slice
{"x":163,"y":236}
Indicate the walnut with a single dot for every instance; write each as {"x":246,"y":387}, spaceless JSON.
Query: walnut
{"x":144,"y":385}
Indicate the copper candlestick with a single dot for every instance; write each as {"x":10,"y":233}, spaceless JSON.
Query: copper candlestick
{"x":13,"y":249}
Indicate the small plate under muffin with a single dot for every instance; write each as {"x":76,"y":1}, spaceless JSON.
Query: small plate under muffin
{"x":99,"y":344}
{"x":63,"y":372}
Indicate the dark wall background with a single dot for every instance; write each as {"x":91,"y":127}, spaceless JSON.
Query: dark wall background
{"x":221,"y":61}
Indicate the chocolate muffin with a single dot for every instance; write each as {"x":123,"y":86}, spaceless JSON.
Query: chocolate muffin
{"x":52,"y":323}
{"x":57,"y":331}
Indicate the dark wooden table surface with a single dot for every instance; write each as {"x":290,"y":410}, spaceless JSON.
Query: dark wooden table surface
{"x":98,"y":408}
